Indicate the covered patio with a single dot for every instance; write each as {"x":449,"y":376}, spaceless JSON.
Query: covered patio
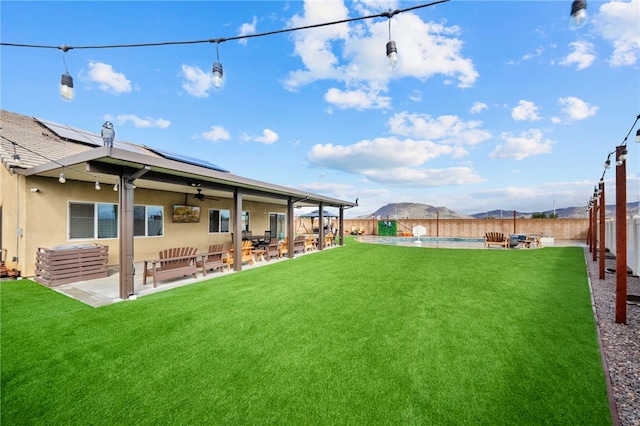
{"x":60,"y":165}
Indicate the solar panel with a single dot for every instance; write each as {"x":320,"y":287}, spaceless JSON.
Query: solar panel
{"x":186,"y":159}
{"x":83,"y":136}
{"x":68,"y":132}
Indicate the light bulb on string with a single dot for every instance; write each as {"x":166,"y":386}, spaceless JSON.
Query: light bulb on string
{"x":66,"y":81}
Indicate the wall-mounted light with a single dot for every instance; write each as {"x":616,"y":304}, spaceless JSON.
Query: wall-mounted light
{"x":61,"y":178}
{"x":35,"y":190}
{"x":579,"y":15}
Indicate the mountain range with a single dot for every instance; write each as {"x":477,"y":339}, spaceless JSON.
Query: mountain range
{"x":425,"y":211}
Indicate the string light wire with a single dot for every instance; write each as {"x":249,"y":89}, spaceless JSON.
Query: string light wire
{"x":66,"y":48}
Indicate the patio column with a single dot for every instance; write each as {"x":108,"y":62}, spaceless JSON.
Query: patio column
{"x":237,"y":230}
{"x":290,"y":230}
{"x":126,"y":236}
{"x":320,"y":226}
{"x":341,"y":226}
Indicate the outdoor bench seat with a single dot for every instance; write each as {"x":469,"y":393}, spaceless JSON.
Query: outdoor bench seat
{"x":496,"y":238}
{"x":212,"y":259}
{"x":173,"y":263}
{"x":299,"y":244}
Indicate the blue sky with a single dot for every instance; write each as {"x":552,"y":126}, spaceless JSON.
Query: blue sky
{"x":496,"y":104}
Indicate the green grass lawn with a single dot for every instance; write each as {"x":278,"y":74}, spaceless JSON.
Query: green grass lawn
{"x":363,"y":334}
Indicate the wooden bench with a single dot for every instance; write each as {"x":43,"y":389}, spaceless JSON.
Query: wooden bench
{"x":497,"y":239}
{"x":246,"y":254}
{"x":173,"y":263}
{"x":298,"y":244}
{"x":212,"y":259}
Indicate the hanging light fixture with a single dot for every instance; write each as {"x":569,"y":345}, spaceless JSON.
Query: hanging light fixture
{"x":218,"y":79}
{"x":622,"y":157}
{"x":97,"y":186}
{"x":66,"y":81}
{"x":392,"y":50}
{"x":62,"y":179}
{"x":115,"y":187}
{"x":638,"y":136}
{"x":579,"y":15}
{"x":607,"y":163}
{"x":16,"y":157}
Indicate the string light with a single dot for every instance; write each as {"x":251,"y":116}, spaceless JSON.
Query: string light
{"x":579,"y":15}
{"x":392,"y":50}
{"x":218,"y":80}
{"x":66,"y":83}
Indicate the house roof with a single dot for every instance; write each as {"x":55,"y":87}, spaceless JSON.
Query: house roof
{"x":46,"y":150}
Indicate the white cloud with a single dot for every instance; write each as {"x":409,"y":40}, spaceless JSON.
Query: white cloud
{"x":143,"y":122}
{"x":425,"y":177}
{"x":197,"y":82}
{"x":415,"y":96}
{"x":268,"y":137}
{"x":354,"y":53}
{"x":478,"y":107}
{"x":369,"y":156}
{"x":246,"y":29}
{"x":357,"y":99}
{"x":576,"y":109}
{"x":216,"y":133}
{"x":539,"y":51}
{"x":618,"y":22}
{"x":393,"y":161}
{"x":525,"y":111}
{"x":523,"y":145}
{"x":582,"y":55}
{"x":449,"y":129}
{"x":108,"y":80}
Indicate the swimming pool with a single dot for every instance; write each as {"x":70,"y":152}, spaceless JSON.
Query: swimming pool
{"x":442,"y":242}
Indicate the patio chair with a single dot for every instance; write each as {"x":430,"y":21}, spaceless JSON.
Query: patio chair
{"x":247,"y":254}
{"x":298,"y":244}
{"x":172,"y":263}
{"x":309,"y":243}
{"x":496,"y":238}
{"x":212,"y":259}
{"x":283,"y":248}
{"x":273,"y":248}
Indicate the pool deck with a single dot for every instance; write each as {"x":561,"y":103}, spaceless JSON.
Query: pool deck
{"x":460,"y":243}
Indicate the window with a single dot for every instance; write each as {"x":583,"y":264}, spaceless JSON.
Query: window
{"x":245,"y":221}
{"x":107,"y":221}
{"x":277,"y":224}
{"x":90,"y":221}
{"x":81,"y":219}
{"x":219,"y":221}
{"x":148,"y":221}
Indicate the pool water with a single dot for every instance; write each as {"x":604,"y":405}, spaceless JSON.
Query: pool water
{"x":442,"y":242}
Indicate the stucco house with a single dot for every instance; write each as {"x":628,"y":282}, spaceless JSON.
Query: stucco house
{"x":61,"y":185}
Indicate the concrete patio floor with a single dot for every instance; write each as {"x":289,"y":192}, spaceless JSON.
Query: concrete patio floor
{"x":105,"y":291}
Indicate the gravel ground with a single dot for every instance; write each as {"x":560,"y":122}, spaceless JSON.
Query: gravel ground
{"x":620,"y":342}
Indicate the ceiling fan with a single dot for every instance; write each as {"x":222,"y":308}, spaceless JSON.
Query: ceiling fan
{"x":201,"y":197}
